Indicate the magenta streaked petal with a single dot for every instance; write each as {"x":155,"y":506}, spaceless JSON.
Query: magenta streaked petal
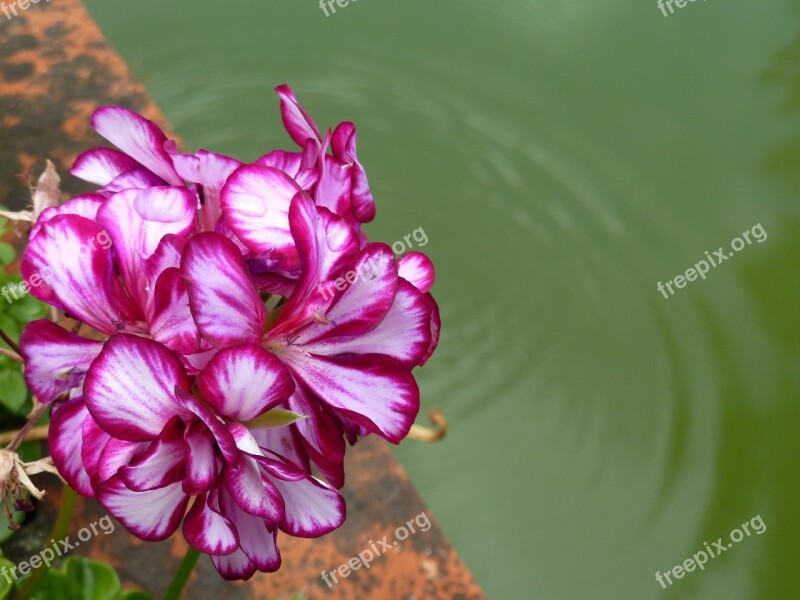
{"x":65,"y":440}
{"x":152,"y":515}
{"x":209,"y":171}
{"x":209,"y":531}
{"x":436,"y":326}
{"x":94,"y":442}
{"x":130,"y":387}
{"x":321,"y":433}
{"x":137,"y":178}
{"x":76,"y":274}
{"x":284,"y":441}
{"x":373,"y":390}
{"x":56,"y":360}
{"x":312,"y":508}
{"x":225,"y":305}
{"x":323,"y":242}
{"x":235,"y":566}
{"x":84,"y":206}
{"x":115,"y":455}
{"x":404,"y":333}
{"x":343,"y":145}
{"x":256,"y":203}
{"x":251,"y":492}
{"x":365,"y":302}
{"x":243,"y":382}
{"x":222,"y":436}
{"x":171,"y":322}
{"x":138,"y":137}
{"x":202,"y":465}
{"x":167,"y":255}
{"x":255,"y":538}
{"x":290,"y":163}
{"x":334,"y":187}
{"x":416,"y":268}
{"x":299,"y":124}
{"x":162,"y":464}
{"x":137,"y":221}
{"x":101,"y":165}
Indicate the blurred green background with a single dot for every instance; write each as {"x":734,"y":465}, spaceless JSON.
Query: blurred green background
{"x":563,"y":157}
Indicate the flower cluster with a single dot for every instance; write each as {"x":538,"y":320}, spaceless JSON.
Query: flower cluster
{"x":225,"y":370}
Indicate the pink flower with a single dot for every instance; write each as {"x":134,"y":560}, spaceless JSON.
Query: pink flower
{"x":156,"y":439}
{"x":350,"y":355}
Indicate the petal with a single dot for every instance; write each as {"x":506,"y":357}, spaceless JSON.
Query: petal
{"x":365,"y":302}
{"x":222,"y":437}
{"x":235,"y":566}
{"x":137,"y":178}
{"x":209,"y":171}
{"x":209,"y":531}
{"x":83,"y":206}
{"x":65,"y":267}
{"x":244,"y":381}
{"x":115,"y":455}
{"x":256,"y":203}
{"x":299,"y":125}
{"x":92,"y":446}
{"x":312,"y":508}
{"x":436,"y":326}
{"x":255,"y":539}
{"x":202,"y":464}
{"x":404,"y":333}
{"x":251,"y":492}
{"x":417,"y":268}
{"x":137,"y":221}
{"x":101,"y":165}
{"x":65,"y":440}
{"x":152,"y":516}
{"x":138,"y":137}
{"x":225,"y":305}
{"x":130,"y":387}
{"x":162,"y":464}
{"x":56,"y":360}
{"x":172,"y":323}
{"x":321,"y":433}
{"x":374,"y":391}
{"x":324,"y":242}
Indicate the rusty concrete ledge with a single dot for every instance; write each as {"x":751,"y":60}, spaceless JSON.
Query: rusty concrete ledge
{"x":55,"y":69}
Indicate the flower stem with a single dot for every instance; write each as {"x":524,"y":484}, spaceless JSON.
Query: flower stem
{"x":60,"y":529}
{"x":23,"y":433}
{"x":11,"y":343}
{"x":182,"y":576}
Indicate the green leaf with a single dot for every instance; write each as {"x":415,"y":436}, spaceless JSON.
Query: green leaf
{"x":13,"y":392}
{"x":7,"y":253}
{"x":27,"y":309}
{"x":94,"y":580}
{"x":277,"y":417}
{"x":84,"y":579}
{"x":135,"y":595}
{"x":5,"y":532}
{"x":5,"y":586}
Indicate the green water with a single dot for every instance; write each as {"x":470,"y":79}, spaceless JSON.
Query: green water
{"x":562,"y":157}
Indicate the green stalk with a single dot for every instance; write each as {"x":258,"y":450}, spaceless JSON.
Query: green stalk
{"x":60,"y":529}
{"x":182,"y":576}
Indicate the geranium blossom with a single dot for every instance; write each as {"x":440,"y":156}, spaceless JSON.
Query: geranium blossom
{"x":227,"y":363}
